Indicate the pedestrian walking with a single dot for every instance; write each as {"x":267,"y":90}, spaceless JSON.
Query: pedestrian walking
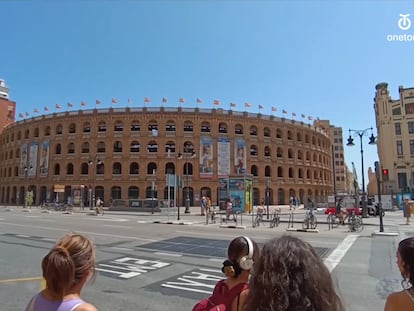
{"x":407,"y":211}
{"x":290,"y":275}
{"x":203,"y":205}
{"x":66,"y":268}
{"x":404,"y":300}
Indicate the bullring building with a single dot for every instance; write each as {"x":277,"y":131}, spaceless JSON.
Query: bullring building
{"x":126,"y":153}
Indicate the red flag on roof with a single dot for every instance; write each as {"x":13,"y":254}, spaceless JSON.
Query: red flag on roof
{"x":232,"y":104}
{"x":83,"y":103}
{"x":182,"y":100}
{"x":147,"y":100}
{"x":114,"y":100}
{"x":199,"y":101}
{"x":216,"y":102}
{"x":247,"y":105}
{"x":58,"y":106}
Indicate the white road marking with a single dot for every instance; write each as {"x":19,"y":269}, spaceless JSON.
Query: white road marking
{"x":117,"y":226}
{"x":121,"y":248}
{"x":339,"y":252}
{"x":110,"y":219}
{"x":168,"y":254}
{"x":85,"y":232}
{"x":216,"y":259}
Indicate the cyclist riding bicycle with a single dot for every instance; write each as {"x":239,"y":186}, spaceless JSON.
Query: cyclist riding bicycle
{"x":340,"y":211}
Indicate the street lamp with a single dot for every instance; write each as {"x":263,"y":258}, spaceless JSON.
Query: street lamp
{"x":186,"y":156}
{"x":362,"y":133}
{"x":92,"y":190}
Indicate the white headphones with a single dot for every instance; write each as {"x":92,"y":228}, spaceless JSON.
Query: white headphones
{"x":246,"y":262}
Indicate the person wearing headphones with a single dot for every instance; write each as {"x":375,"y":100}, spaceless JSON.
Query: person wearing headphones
{"x":241,"y":254}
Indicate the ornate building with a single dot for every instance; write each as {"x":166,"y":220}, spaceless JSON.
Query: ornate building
{"x":125,"y":153}
{"x":395,"y":127}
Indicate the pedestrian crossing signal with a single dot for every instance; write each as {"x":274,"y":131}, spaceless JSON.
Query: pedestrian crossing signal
{"x":384,"y":174}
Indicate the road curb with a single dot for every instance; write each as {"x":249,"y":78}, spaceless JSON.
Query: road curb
{"x":303,"y":230}
{"x":233,"y":226}
{"x":385,"y":233}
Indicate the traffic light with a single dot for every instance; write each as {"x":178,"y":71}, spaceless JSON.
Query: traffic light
{"x":377,"y":172}
{"x":385,"y":174}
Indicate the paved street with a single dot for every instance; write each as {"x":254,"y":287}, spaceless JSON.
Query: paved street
{"x":154,"y":262}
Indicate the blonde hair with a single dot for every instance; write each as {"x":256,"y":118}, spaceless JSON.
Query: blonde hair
{"x":67,"y":262}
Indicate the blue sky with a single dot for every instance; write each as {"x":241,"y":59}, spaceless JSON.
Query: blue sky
{"x":317,"y":58}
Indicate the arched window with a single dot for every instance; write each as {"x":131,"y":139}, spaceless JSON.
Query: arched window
{"x":71,"y":148}
{"x":117,"y":168}
{"x":119,"y":126}
{"x":238,"y":129}
{"x":86,"y":127}
{"x":222,"y":127}
{"x":135,"y":126}
{"x":59,"y":129}
{"x":69,"y":169}
{"x":134,"y":168}
{"x":101,"y":147}
{"x":72,"y":128}
{"x":118,"y":146}
{"x":134,"y":147}
{"x":85,"y":147}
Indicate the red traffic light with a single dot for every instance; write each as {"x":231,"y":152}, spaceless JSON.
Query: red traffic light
{"x":385,"y":172}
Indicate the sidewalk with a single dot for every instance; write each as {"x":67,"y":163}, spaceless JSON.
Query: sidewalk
{"x":393,"y":221}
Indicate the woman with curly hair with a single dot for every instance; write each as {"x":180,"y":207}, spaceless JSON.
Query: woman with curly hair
{"x":291,"y":276}
{"x":404,"y":300}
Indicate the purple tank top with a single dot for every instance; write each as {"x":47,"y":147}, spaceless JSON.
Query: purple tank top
{"x":42,"y":304}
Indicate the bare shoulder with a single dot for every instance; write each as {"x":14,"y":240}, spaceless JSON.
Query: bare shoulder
{"x":398,"y":301}
{"x":86,"y":307}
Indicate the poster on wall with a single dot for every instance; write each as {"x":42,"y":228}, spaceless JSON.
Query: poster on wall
{"x":23,"y":159}
{"x":44,"y":159}
{"x":206,"y":157}
{"x":34,"y":147}
{"x":223,"y":192}
{"x":239,"y":156}
{"x":237,"y":193}
{"x":223,"y":156}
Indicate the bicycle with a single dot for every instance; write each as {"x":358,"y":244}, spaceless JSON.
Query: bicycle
{"x":276,"y":219}
{"x":334,"y":220}
{"x":211,"y":214}
{"x":310,"y":221}
{"x":355,"y":223}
